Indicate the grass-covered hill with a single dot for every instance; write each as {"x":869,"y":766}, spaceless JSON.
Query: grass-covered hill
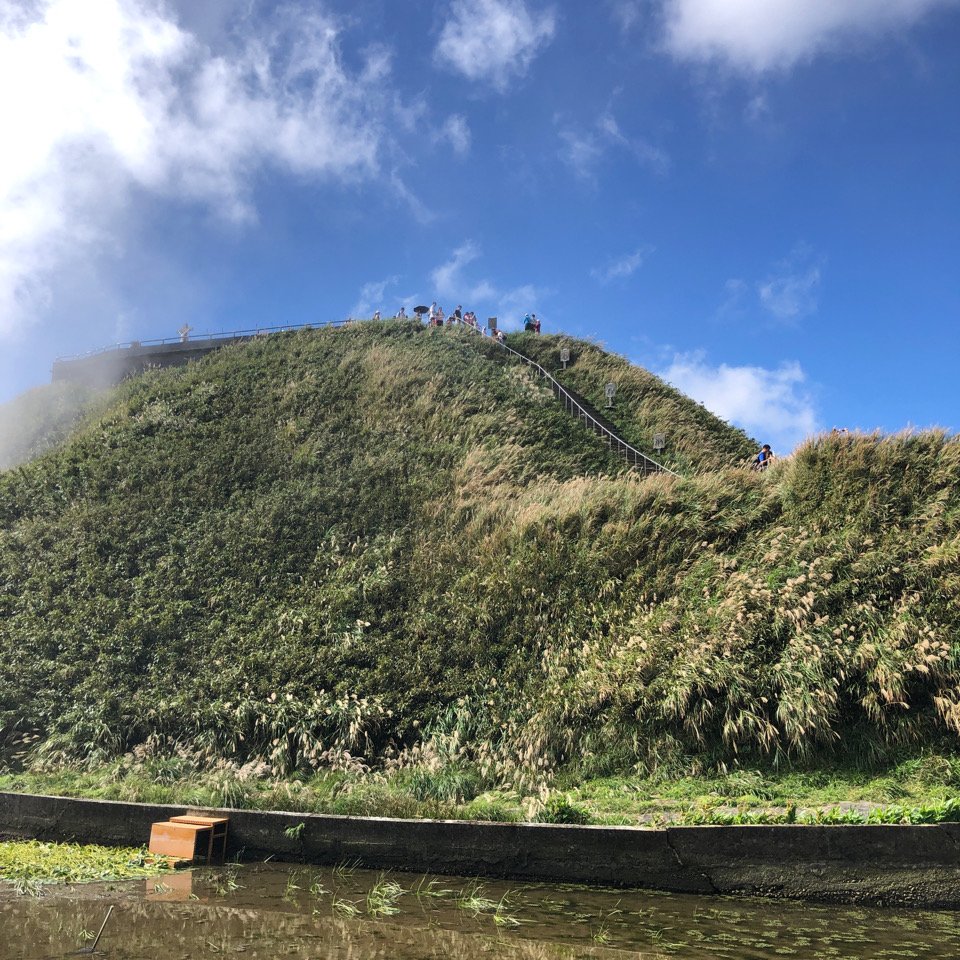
{"x":386,"y":540}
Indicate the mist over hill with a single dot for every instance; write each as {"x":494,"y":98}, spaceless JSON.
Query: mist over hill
{"x":37,"y":420}
{"x":339,"y":546}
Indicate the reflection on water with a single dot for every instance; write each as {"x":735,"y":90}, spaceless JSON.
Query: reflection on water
{"x":266,"y":911}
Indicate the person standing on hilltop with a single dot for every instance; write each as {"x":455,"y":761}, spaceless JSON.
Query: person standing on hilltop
{"x":764,"y":458}
{"x":432,"y":313}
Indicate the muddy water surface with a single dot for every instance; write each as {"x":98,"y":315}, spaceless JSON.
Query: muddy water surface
{"x":263,"y":912}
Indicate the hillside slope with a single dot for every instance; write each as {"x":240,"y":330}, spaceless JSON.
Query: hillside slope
{"x":330,"y":542}
{"x":645,"y":405}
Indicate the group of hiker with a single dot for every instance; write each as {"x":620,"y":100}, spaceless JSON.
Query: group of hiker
{"x":434,"y":316}
{"x":437,"y":318}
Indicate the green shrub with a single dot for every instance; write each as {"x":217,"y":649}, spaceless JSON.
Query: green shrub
{"x":559,"y":809}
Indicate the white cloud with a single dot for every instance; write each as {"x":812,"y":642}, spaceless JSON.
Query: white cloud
{"x":621,"y":267}
{"x":494,"y":41}
{"x":763,"y":35}
{"x":449,"y":282}
{"x":787,"y":294}
{"x":757,"y":109}
{"x":421,"y":212}
{"x":509,"y":305}
{"x":581,"y":152}
{"x":118,"y":99}
{"x":775,"y":406}
{"x":517,"y":302}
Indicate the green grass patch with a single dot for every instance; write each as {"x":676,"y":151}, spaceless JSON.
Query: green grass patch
{"x":913,"y":789}
{"x":27,"y":865}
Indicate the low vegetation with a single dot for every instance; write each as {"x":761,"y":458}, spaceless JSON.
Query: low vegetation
{"x":28,"y":865}
{"x":384,"y":557}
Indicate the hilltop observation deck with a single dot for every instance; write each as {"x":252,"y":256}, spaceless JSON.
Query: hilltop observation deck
{"x":108,"y":366}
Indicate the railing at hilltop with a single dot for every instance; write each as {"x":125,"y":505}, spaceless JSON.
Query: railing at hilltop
{"x":205,"y":338}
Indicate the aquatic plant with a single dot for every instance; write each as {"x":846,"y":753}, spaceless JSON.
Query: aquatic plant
{"x":28,"y":865}
{"x":383,"y":896}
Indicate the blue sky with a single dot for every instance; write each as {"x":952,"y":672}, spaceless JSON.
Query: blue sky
{"x":757,"y":199}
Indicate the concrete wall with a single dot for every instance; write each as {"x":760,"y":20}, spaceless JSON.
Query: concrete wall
{"x":915,"y":865}
{"x":110,"y":367}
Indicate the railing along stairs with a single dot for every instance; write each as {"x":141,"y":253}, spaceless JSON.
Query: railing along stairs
{"x":575,"y":407}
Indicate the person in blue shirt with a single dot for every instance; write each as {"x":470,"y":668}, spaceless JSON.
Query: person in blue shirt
{"x":764,"y":458}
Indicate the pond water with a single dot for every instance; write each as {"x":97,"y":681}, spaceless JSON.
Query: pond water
{"x":266,"y":911}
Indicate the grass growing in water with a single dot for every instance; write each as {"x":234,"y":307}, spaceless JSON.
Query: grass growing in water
{"x":30,"y":864}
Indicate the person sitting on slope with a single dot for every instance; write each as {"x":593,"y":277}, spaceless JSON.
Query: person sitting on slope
{"x":764,"y":458}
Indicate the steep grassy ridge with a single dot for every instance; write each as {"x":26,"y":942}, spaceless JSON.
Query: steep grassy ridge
{"x":342,"y":545}
{"x":644,"y":405}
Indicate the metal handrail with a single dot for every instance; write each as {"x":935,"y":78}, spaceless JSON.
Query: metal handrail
{"x":204,"y":337}
{"x":630,"y":453}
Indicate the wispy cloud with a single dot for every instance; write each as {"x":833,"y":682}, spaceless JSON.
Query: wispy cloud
{"x":768,"y":35}
{"x":122,"y":100}
{"x":628,"y":14}
{"x":621,"y":267}
{"x":494,"y":41}
{"x":371,"y":296}
{"x":456,"y":132}
{"x":421,"y":212}
{"x":775,"y":405}
{"x":449,"y":281}
{"x":583,"y":149}
{"x":788,"y":293}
